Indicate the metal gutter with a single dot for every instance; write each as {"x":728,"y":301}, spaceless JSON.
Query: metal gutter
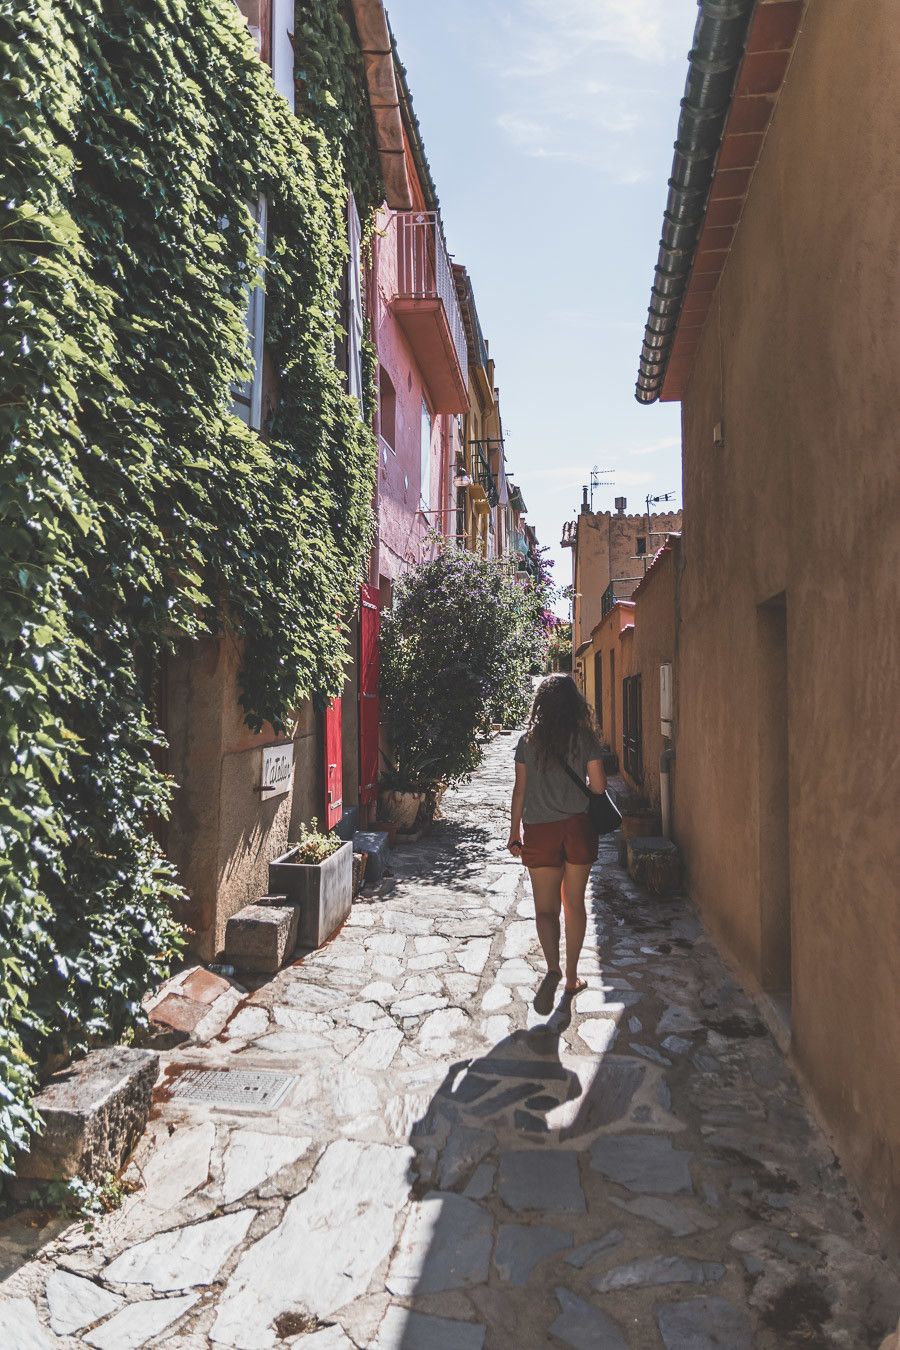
{"x":714,"y":60}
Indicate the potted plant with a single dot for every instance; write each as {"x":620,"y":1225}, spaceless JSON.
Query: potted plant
{"x":403,"y":792}
{"x":315,"y":875}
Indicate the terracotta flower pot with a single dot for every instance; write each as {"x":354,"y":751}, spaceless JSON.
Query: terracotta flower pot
{"x":400,"y":808}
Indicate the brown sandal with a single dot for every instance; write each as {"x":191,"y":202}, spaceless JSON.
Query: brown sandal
{"x":578,"y":988}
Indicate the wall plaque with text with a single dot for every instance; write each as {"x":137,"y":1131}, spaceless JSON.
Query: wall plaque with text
{"x":277,"y":769}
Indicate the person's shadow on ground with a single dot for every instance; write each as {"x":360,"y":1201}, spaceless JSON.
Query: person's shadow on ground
{"x":495,"y":1149}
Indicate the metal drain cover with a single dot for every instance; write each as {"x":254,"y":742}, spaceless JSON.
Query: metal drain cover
{"x":232,"y":1087}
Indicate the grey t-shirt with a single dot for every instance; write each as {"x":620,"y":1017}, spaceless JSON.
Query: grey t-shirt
{"x":550,"y":793}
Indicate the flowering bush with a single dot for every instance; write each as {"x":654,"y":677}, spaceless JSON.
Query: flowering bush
{"x":559,"y":648}
{"x":457,"y":648}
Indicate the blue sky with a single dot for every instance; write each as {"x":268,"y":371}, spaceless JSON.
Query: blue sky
{"x":549,"y":126}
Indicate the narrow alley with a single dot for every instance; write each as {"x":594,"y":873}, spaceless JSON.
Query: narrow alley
{"x":430,"y":1166}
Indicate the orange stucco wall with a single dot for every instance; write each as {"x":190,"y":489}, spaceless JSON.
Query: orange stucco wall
{"x":616,"y":659}
{"x":788,"y":678}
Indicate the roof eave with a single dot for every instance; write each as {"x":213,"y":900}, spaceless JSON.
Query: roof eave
{"x":737,"y":65}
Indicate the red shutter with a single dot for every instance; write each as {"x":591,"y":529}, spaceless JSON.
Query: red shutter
{"x":334,"y":806}
{"x":369,"y":702}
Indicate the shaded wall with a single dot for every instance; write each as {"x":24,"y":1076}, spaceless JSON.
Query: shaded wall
{"x":222,"y":834}
{"x":796,"y":624}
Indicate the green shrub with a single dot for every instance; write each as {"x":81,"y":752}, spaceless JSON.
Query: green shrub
{"x":456,"y":650}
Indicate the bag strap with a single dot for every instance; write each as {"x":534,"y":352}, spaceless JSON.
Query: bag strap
{"x":575,"y":779}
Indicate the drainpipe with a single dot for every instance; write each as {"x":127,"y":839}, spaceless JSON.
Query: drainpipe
{"x":666,"y":760}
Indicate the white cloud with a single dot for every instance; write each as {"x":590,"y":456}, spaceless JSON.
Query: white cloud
{"x":668,"y":443}
{"x":555,"y":30}
{"x":577,"y":76}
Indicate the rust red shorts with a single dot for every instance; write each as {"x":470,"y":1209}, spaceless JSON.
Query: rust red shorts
{"x":554,"y":842}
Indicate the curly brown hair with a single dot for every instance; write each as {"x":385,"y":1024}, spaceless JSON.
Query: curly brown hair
{"x":559,"y":715}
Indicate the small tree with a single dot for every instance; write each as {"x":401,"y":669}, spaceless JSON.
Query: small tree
{"x":457,"y":648}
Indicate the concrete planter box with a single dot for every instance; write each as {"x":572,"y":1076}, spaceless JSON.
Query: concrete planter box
{"x":321,"y":892}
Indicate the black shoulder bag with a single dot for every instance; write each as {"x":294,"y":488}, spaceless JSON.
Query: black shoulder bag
{"x":601,"y":811}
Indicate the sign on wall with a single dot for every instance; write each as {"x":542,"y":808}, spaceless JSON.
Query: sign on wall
{"x":277,"y":769}
{"x":666,"y":698}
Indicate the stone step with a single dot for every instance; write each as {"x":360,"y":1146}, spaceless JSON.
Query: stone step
{"x":260,"y":937}
{"x":376,"y":844}
{"x":94,"y":1113}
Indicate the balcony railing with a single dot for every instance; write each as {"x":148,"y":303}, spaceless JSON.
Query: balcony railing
{"x":424,"y":272}
{"x":483,"y":473}
{"x":620,"y":588}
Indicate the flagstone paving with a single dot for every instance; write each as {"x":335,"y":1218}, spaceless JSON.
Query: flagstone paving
{"x":449,"y":1171}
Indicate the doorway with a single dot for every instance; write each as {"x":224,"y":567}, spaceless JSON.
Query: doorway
{"x":774,"y":802}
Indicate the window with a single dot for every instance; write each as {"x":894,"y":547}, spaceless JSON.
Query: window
{"x":641,"y":546}
{"x":282,"y":21}
{"x":354,"y":306}
{"x":425,"y":475}
{"x":247,"y":394}
{"x":387,"y":403}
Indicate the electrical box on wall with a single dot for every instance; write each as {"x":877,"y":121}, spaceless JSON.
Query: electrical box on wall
{"x":666,"y":698}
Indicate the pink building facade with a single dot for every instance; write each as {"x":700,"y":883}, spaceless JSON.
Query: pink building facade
{"x":422,"y":395}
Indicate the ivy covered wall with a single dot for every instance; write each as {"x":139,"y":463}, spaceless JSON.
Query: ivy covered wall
{"x":137,"y":510}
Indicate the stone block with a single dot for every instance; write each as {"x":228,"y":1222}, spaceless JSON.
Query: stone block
{"x":260,"y":937}
{"x":359,"y":872}
{"x":321,"y":892}
{"x":376,"y":844}
{"x":348,"y":824}
{"x":654,"y":863}
{"x":94,"y":1113}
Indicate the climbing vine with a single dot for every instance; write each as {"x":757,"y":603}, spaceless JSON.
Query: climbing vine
{"x":137,"y":510}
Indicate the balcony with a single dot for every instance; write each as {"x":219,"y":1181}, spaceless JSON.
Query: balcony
{"x":427,"y":309}
{"x":620,"y":588}
{"x":484,"y":477}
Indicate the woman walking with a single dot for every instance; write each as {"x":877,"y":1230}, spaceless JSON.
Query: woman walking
{"x":559,"y":844}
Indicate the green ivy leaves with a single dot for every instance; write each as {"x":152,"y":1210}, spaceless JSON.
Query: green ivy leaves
{"x":137,"y":511}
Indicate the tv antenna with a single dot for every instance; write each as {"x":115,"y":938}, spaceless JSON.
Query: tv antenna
{"x":597,"y":481}
{"x":654,"y":501}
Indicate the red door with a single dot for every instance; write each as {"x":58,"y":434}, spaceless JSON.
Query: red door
{"x":369,"y":702}
{"x":334,"y":786}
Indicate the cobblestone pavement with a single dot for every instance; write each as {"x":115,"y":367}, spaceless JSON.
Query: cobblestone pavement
{"x":447,"y":1171}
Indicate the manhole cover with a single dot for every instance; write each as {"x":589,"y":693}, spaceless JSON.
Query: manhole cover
{"x":232,"y":1087}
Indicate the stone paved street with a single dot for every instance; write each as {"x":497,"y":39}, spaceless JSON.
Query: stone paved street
{"x":448,"y":1171}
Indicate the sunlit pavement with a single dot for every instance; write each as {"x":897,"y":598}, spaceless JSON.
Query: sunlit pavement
{"x":448,"y":1171}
